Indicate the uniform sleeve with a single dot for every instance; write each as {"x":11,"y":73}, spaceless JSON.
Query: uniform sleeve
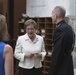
{"x":18,"y":51}
{"x":58,"y":51}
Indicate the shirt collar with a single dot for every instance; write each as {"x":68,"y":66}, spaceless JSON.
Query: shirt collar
{"x":27,"y":38}
{"x":60,"y":23}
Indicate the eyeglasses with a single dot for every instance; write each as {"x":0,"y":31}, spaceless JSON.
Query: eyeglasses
{"x":30,"y":29}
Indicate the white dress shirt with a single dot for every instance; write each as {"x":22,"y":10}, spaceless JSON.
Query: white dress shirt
{"x":25,"y":45}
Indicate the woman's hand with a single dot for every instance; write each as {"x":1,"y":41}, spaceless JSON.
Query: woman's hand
{"x":37,"y":54}
{"x":29,"y":55}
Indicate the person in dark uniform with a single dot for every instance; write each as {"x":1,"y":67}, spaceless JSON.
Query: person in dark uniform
{"x":63,"y":43}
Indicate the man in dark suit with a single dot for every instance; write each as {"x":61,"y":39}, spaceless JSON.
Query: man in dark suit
{"x":63,"y":43}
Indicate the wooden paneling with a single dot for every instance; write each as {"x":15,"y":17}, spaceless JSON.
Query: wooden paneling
{"x":19,"y":8}
{"x":1,"y":6}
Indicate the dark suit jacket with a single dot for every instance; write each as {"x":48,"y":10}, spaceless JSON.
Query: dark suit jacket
{"x":61,"y":61}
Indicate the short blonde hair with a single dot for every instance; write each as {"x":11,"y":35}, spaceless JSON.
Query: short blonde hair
{"x":4,"y":36}
{"x":30,"y":21}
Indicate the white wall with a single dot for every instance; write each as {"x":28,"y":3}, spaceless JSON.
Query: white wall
{"x":43,"y":8}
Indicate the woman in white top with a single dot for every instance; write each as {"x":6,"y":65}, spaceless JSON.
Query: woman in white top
{"x":30,"y":50}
